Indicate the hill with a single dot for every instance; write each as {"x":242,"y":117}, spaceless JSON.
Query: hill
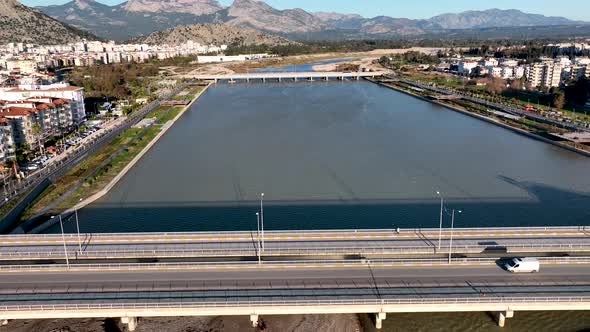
{"x":217,"y":34}
{"x":21,"y":24}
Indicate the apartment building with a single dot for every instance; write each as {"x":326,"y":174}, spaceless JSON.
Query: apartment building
{"x":22,"y":120}
{"x":546,"y":73}
{"x":7,"y":145}
{"x":73,"y":94}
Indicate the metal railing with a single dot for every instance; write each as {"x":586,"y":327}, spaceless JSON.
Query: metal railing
{"x":311,"y":233}
{"x":291,"y":263}
{"x":270,"y":251}
{"x":492,"y":300}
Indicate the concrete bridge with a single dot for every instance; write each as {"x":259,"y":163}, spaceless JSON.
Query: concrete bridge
{"x":378,"y":272}
{"x":402,"y":243}
{"x":287,"y":76}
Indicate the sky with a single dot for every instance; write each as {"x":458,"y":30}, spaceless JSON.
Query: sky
{"x":573,"y":9}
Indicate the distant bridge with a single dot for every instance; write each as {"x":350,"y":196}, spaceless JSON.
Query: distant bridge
{"x":288,"y":76}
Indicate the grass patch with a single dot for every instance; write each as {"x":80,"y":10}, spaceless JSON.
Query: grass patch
{"x":108,"y":172}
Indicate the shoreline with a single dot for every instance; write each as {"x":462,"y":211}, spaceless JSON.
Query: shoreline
{"x":125,"y":170}
{"x":488,"y":120}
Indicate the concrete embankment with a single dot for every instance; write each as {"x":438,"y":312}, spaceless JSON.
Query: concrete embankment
{"x":134,"y":161}
{"x":487,"y":119}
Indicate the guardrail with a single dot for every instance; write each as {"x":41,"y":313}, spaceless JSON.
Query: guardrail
{"x":297,"y":303}
{"x":278,"y":264}
{"x":388,"y":232}
{"x":269,"y":251}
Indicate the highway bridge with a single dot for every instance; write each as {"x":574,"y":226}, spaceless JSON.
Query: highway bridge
{"x":327,"y":243}
{"x":100,"y":280}
{"x":286,"y":76}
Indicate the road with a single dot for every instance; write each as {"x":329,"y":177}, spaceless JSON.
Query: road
{"x":322,"y":243}
{"x":364,"y":283}
{"x":55,"y":170}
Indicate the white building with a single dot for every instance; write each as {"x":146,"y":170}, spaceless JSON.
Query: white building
{"x":546,"y":74}
{"x":74,"y":94}
{"x":466,"y":67}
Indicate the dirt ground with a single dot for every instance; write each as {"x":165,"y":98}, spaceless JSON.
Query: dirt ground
{"x":232,"y":67}
{"x":294,"y":323}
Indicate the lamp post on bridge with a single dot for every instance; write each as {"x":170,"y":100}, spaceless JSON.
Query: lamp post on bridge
{"x":258,"y":236}
{"x":262,"y":218}
{"x":452,"y":229}
{"x":441,"y":219}
{"x":63,"y":238}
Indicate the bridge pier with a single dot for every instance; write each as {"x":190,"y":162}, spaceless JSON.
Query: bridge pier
{"x":131,"y":323}
{"x":502,"y":315}
{"x":279,"y":80}
{"x":254,"y":320}
{"x":379,"y":318}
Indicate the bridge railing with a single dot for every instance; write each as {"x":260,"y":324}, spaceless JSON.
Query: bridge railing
{"x":457,"y":231}
{"x":295,"y":303}
{"x":270,"y":251}
{"x":278,"y":264}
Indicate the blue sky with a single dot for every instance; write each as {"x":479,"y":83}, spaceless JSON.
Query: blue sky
{"x":574,"y":9}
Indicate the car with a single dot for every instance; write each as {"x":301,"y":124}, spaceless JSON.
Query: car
{"x":522,"y":265}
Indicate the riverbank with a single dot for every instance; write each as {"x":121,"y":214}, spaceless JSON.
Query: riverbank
{"x":494,"y":121}
{"x":237,"y":67}
{"x":165,"y":127}
{"x":94,"y":177}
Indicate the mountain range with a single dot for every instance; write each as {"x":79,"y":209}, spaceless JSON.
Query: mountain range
{"x":140,"y":17}
{"x":216,"y":34}
{"x":21,"y":24}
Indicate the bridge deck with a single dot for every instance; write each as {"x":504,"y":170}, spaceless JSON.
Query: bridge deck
{"x":297,"y":243}
{"x":288,"y":75}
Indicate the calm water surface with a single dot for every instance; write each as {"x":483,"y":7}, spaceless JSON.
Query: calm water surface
{"x":339,"y":155}
{"x":347,"y":155}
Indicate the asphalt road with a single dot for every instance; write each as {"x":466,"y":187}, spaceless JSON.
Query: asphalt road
{"x":228,"y":247}
{"x":309,"y":284}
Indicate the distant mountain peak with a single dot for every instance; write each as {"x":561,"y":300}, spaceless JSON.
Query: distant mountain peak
{"x":495,"y":17}
{"x":195,"y":7}
{"x":140,"y":17}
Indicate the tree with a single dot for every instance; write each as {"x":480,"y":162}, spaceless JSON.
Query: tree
{"x":37,"y":131}
{"x":558,"y":100}
{"x":579,"y":92}
{"x":495,"y":85}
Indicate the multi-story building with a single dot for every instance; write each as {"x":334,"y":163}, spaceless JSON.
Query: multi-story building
{"x":546,"y":73}
{"x":23,"y":122}
{"x":7,"y":146}
{"x":74,"y":95}
{"x":464,"y":67}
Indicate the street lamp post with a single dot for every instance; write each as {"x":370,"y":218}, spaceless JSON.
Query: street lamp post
{"x":63,"y":237}
{"x":258,"y":236}
{"x":441,"y":219}
{"x":452,"y":229}
{"x":262,"y":218}
{"x":78,"y":229}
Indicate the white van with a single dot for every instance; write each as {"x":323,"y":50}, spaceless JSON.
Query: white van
{"x":522,"y":265}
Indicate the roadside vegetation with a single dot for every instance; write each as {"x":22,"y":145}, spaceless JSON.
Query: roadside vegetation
{"x":99,"y":169}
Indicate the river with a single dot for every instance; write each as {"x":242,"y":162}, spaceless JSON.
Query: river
{"x":347,"y":155}
{"x":339,"y":155}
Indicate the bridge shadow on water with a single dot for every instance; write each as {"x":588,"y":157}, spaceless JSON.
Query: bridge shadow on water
{"x":546,"y":206}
